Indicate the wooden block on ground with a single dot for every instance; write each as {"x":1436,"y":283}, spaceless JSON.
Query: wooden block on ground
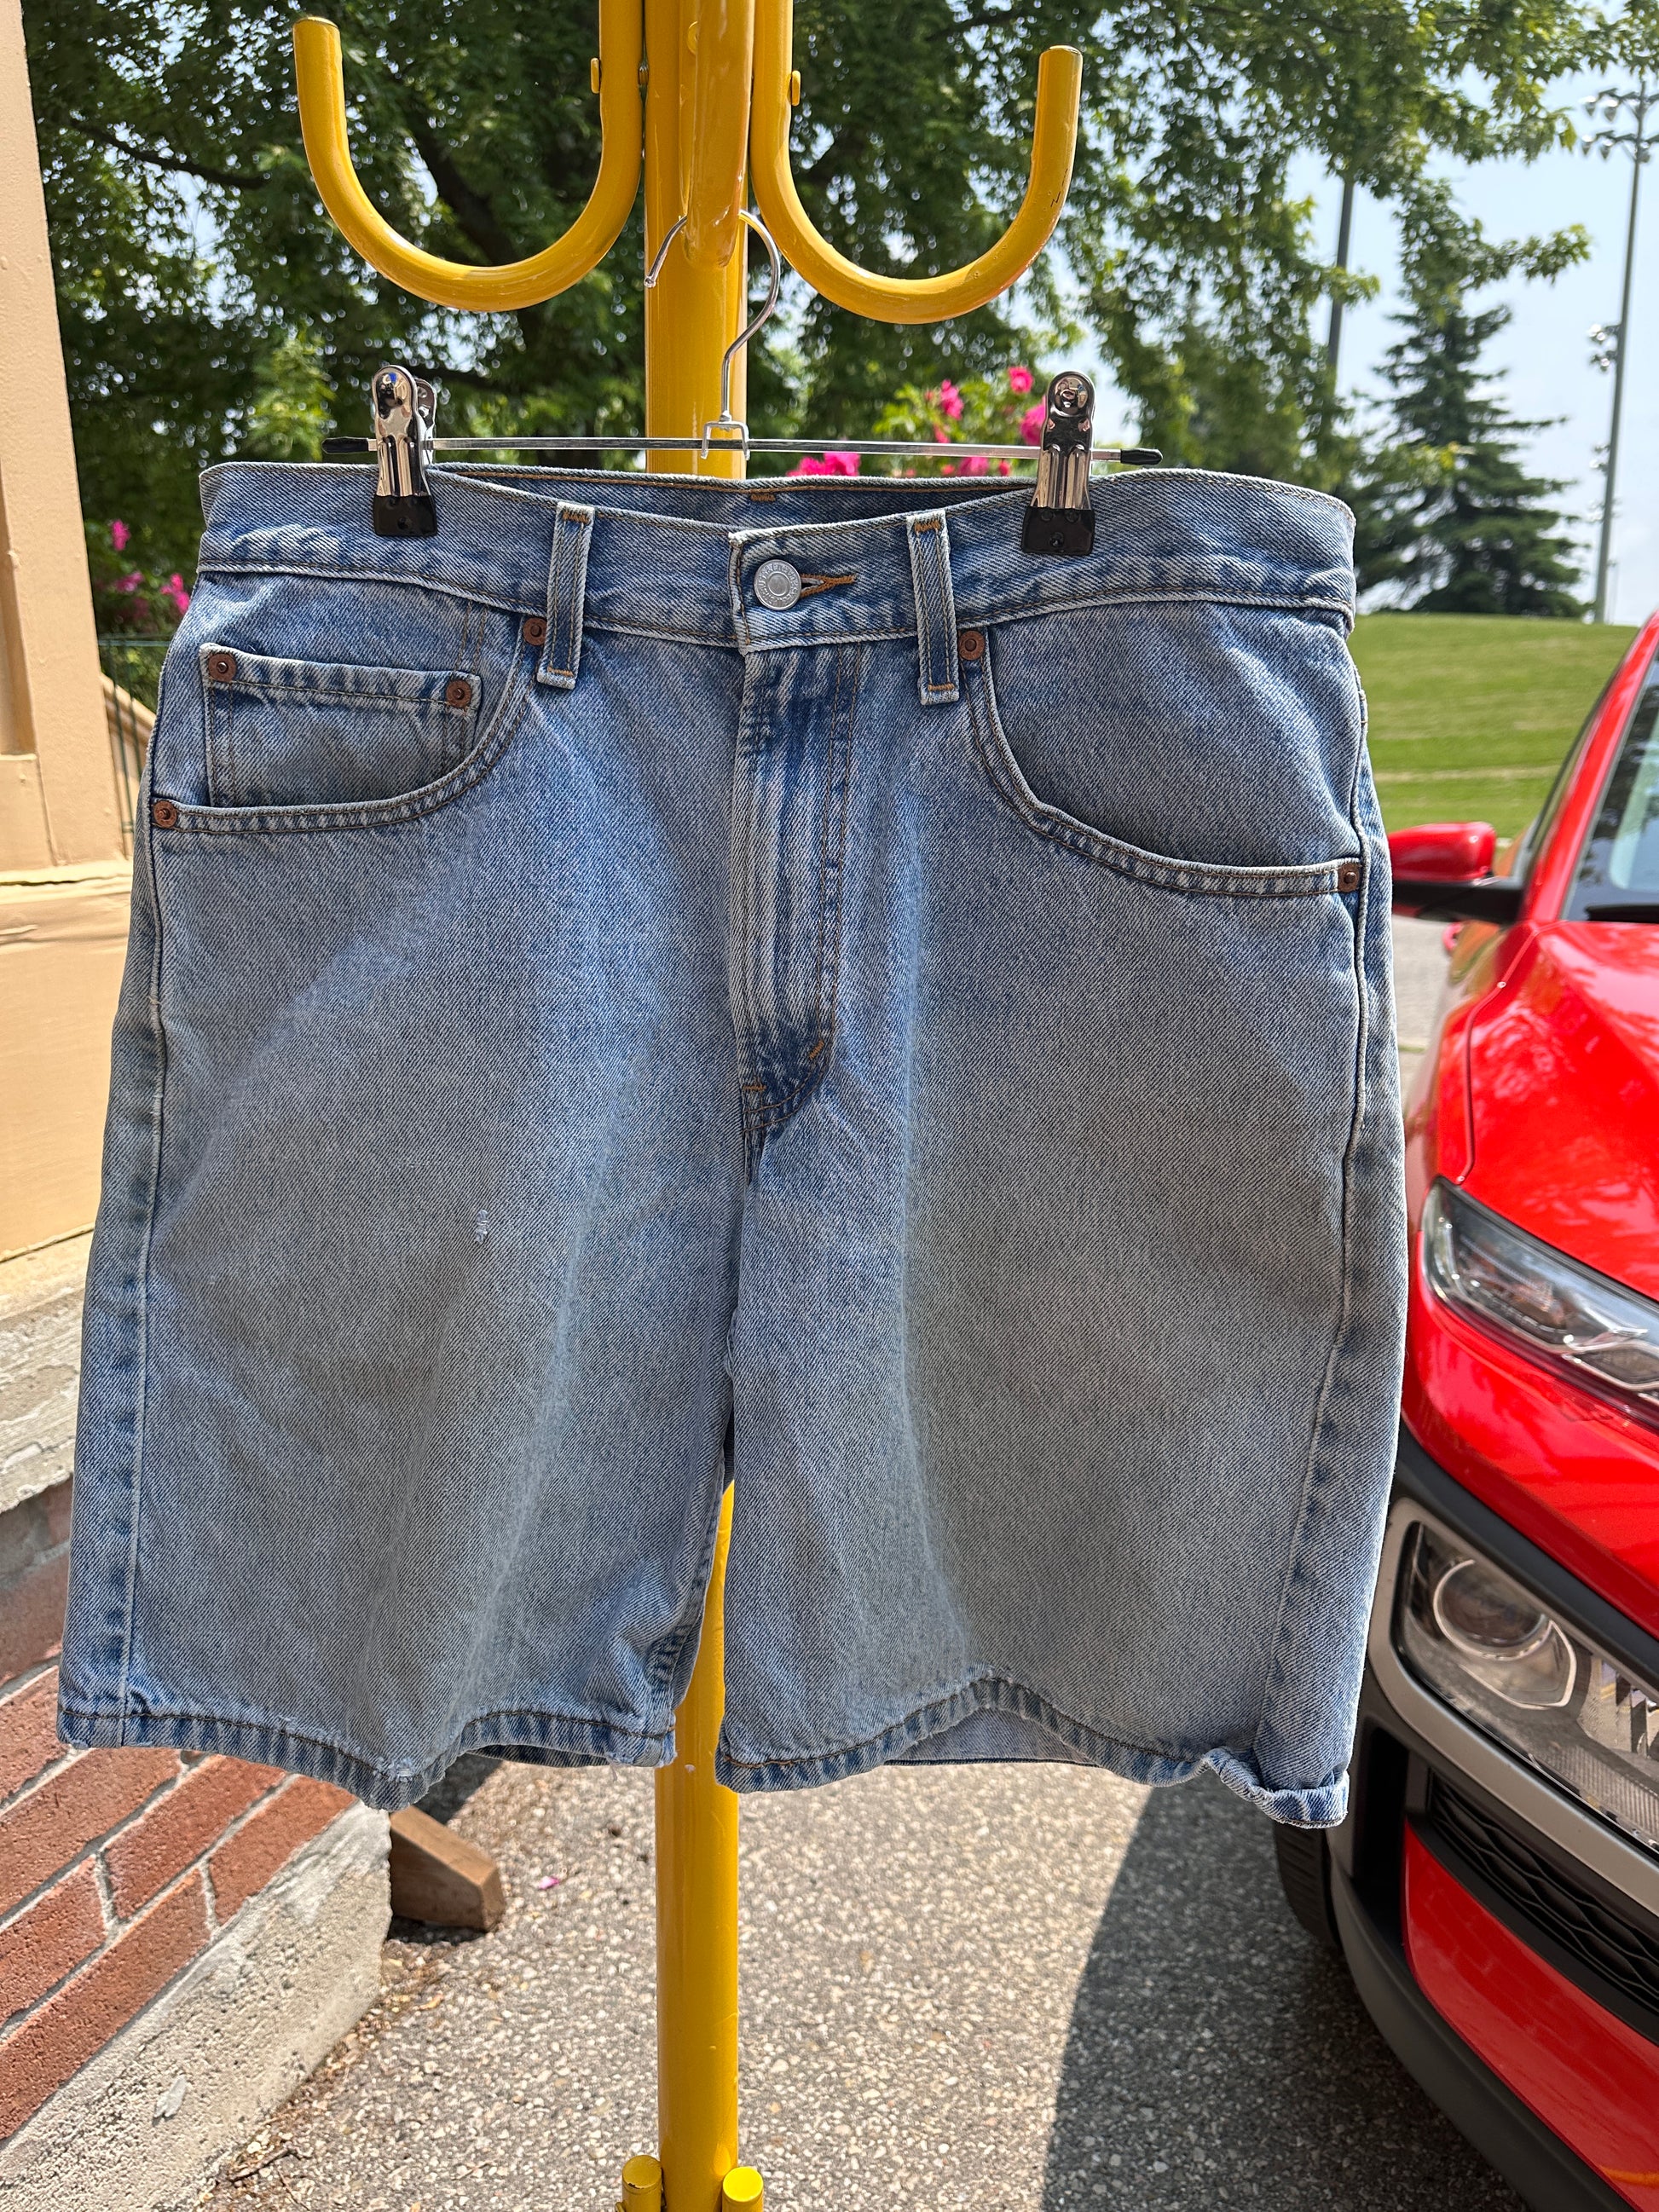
{"x":437,"y":1876}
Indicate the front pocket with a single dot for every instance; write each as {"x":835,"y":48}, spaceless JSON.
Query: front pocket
{"x":1163,"y":871}
{"x":282,"y":733}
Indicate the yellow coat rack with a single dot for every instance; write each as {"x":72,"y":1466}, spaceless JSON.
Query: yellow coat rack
{"x":700,"y":92}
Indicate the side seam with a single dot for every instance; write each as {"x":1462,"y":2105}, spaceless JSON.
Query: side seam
{"x":1318,"y":1471}
{"x":158,"y":1092}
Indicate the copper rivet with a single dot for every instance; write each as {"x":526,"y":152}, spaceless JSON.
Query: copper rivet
{"x":535,"y":630}
{"x":163,"y":813}
{"x":1347,"y":876}
{"x":458,"y":692}
{"x":970,"y":643}
{"x":221,"y":666}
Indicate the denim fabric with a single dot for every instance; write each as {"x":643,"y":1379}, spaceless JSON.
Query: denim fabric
{"x":926,"y":1052}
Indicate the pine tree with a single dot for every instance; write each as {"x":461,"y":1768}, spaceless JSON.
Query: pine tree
{"x":1447,"y":516}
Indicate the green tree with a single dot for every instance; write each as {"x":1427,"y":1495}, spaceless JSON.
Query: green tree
{"x":1201,"y":269}
{"x":290,"y":408}
{"x":208,"y":306}
{"x":1450,"y":520}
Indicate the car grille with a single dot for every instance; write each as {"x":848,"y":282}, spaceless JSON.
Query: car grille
{"x":1618,"y":1951}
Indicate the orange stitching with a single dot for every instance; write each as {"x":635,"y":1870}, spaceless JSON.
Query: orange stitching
{"x":823,"y":835}
{"x":570,"y":528}
{"x":841,"y":858}
{"x":763,"y":1116}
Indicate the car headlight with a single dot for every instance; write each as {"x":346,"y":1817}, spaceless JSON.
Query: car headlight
{"x":1605,"y":1336}
{"x":1492,"y":1650}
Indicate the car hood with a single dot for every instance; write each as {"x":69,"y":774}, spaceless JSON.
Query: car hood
{"x":1563,"y":1068}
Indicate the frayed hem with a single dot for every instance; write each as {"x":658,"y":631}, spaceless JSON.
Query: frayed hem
{"x":532,"y":1738}
{"x":1319,"y":1806}
{"x":540,"y":1739}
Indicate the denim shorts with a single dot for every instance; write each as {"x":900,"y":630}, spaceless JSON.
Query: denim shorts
{"x":667,"y":983}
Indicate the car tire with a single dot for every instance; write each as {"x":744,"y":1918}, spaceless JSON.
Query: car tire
{"x":1304,"y":1875}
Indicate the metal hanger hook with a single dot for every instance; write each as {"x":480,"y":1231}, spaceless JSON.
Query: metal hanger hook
{"x":726,"y":420}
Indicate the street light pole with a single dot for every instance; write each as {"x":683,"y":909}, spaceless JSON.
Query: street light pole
{"x":1637,"y":104}
{"x":1344,"y":234}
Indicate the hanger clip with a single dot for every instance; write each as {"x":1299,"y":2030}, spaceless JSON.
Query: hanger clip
{"x":1059,"y":518}
{"x":405,"y":410}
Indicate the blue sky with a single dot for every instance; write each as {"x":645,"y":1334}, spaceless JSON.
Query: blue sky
{"x":1547,"y":349}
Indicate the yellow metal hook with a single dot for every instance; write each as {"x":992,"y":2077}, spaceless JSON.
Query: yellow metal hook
{"x":321,"y":85}
{"x":905,"y":299}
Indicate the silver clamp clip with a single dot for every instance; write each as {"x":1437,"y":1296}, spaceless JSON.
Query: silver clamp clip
{"x":405,"y":412}
{"x":1059,"y":518}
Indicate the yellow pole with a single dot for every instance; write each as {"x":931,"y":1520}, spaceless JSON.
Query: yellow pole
{"x":691,"y":315}
{"x":697,"y":1933}
{"x":695,"y":309}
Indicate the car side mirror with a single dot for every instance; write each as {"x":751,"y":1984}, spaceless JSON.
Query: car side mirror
{"x":1443,"y":870}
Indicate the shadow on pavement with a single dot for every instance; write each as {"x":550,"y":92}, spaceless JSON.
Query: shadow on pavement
{"x":1216,"y":2057}
{"x":461,"y":1783}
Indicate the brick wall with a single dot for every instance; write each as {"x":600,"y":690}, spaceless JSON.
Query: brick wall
{"x":117,"y":1868}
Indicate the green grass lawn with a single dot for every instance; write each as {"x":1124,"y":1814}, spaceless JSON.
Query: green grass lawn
{"x":1470,"y":714}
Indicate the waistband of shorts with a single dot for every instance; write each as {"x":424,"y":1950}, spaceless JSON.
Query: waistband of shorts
{"x":677,"y":557}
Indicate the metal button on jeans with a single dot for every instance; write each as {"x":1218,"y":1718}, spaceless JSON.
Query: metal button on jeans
{"x":777,"y":585}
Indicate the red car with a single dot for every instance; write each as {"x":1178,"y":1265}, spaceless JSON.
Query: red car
{"x":1495,"y":1889}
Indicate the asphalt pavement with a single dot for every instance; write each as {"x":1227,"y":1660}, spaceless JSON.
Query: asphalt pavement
{"x":974,"y":1989}
{"x":982,"y":1988}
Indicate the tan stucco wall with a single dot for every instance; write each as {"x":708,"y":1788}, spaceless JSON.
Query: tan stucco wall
{"x":51,"y":700}
{"x":63,"y":939}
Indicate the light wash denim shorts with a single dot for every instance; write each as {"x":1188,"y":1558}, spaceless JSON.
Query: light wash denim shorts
{"x":911,"y":1038}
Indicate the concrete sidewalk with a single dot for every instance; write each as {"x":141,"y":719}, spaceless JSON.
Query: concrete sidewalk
{"x":1419,"y":968}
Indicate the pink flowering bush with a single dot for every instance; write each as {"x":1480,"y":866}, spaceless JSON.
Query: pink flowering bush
{"x":826,"y":464}
{"x":981,"y":410}
{"x":127,"y":600}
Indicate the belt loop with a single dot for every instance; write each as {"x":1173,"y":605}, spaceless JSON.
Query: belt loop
{"x":567,"y":578}
{"x":936,"y":609}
